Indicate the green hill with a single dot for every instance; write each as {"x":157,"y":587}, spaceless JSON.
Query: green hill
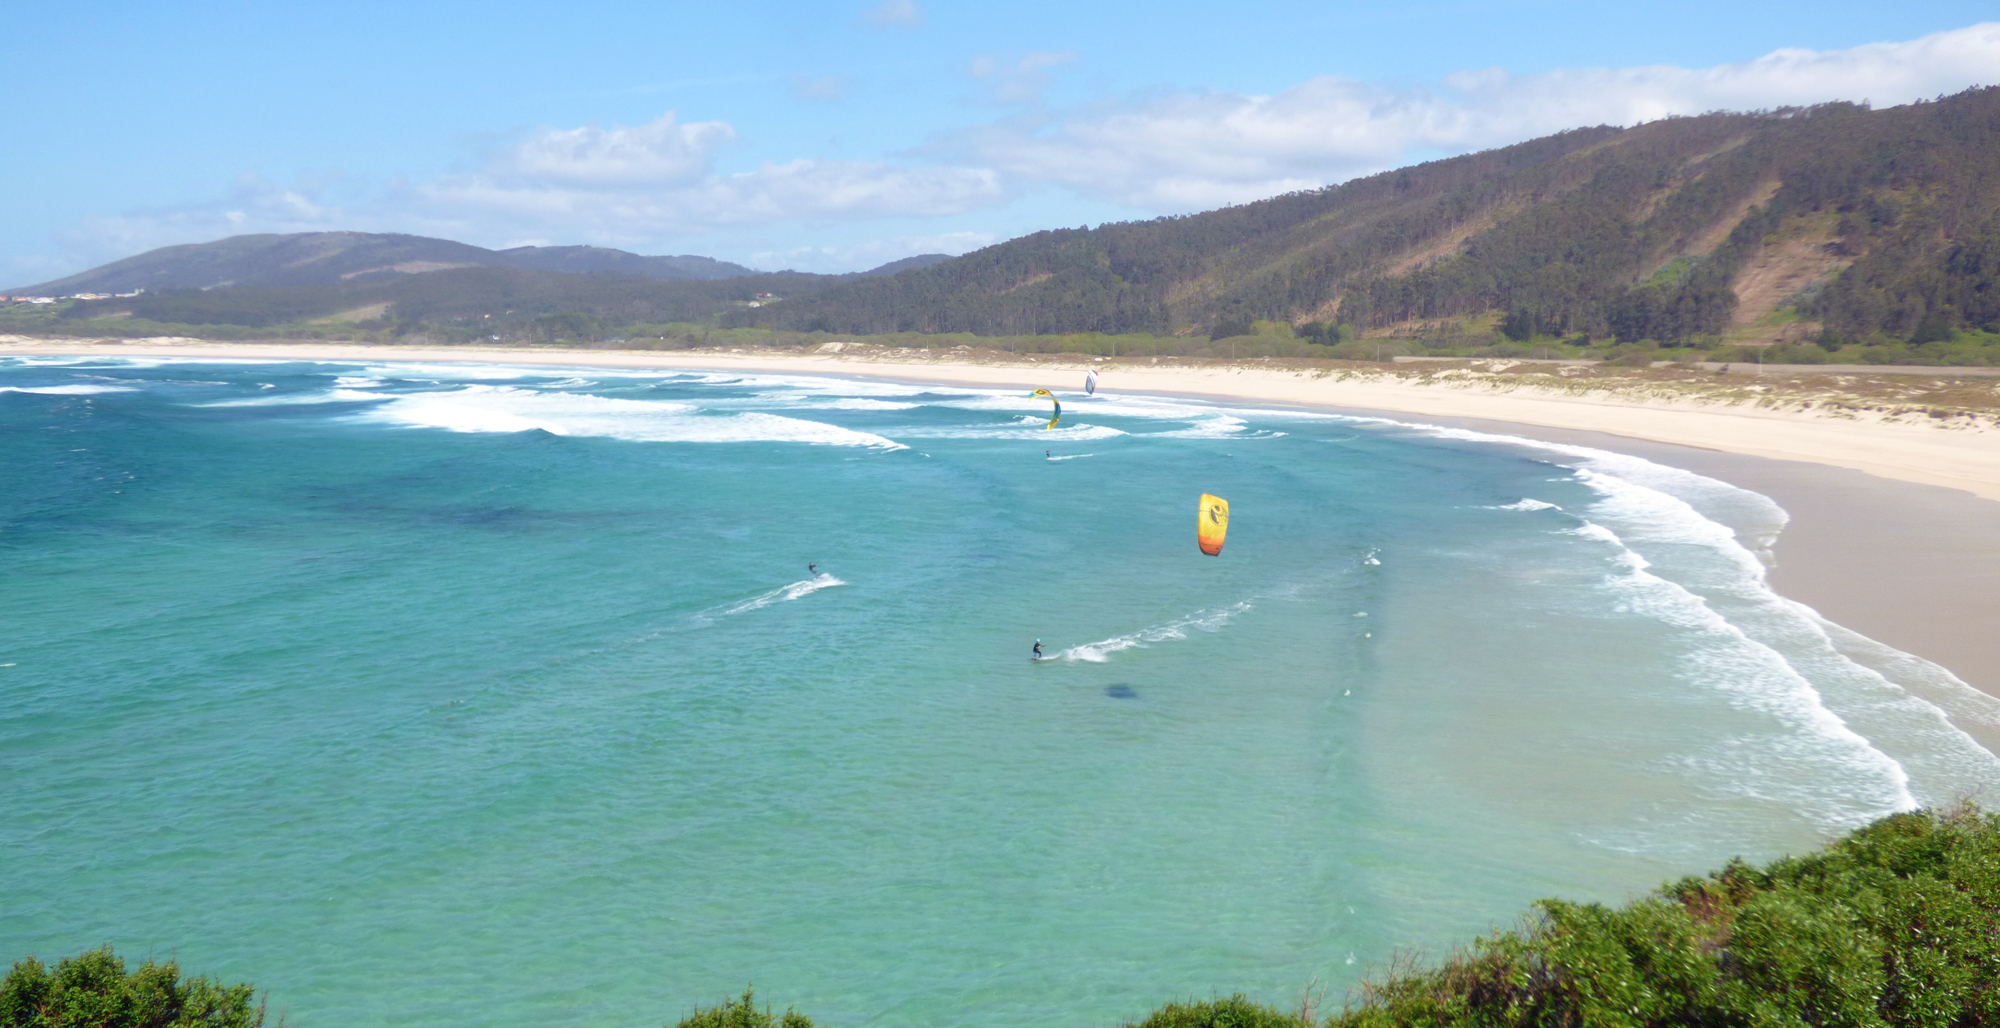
{"x":1752,"y":227}
{"x":330,"y":258}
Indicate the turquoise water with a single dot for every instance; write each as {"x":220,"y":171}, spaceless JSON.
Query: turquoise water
{"x":474,"y":695}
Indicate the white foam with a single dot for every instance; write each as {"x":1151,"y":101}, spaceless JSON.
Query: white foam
{"x":785,"y":593}
{"x":1900,"y":724}
{"x":1026,"y":430}
{"x":807,"y":401}
{"x":302,"y":399}
{"x":1070,"y":456}
{"x":488,"y":408}
{"x":1526,"y":503}
{"x":861,"y":403}
{"x":1100,"y":651}
{"x":68,"y":390}
{"x":1219,"y":426}
{"x":1751,"y":673}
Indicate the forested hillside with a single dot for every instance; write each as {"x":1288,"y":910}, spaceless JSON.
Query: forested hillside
{"x":1872,"y":222}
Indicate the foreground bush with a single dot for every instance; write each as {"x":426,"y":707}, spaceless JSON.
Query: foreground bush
{"x":1234,"y":1012}
{"x":1897,"y":924}
{"x":94,"y":991}
{"x":743,"y":1013}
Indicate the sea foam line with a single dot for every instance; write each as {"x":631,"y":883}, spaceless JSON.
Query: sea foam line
{"x":499,"y":408}
{"x":68,"y":390}
{"x":1100,"y":651}
{"x":1776,"y":655}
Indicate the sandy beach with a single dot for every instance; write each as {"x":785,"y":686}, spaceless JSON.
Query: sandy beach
{"x":1896,"y":516}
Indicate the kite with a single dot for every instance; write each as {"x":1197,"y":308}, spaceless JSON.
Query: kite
{"x":1057,"y":416}
{"x":1212,"y":523}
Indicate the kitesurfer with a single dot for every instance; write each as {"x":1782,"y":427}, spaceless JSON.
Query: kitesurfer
{"x":1038,"y":649}
{"x":814,"y":569}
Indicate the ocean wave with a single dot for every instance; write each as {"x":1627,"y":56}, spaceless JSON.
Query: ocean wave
{"x":1217,"y":426}
{"x":302,"y":399}
{"x":1526,"y":503}
{"x":1755,"y":676}
{"x":1024,"y":430}
{"x":68,"y":390}
{"x":810,"y":401}
{"x":1100,"y":651}
{"x":1694,"y":551}
{"x":490,"y":408}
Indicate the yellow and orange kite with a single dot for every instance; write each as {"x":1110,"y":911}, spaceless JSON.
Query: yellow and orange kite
{"x":1212,"y":523}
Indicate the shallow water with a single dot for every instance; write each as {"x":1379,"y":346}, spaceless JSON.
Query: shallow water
{"x":460,"y":694}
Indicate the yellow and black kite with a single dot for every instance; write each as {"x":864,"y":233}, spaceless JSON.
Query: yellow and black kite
{"x":1057,"y":416}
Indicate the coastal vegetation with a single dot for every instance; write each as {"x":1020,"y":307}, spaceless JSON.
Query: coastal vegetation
{"x":1896,"y":924}
{"x":94,"y":990}
{"x":743,"y":1012}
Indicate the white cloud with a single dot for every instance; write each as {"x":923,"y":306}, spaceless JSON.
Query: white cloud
{"x":662,"y":153}
{"x":1023,"y":81}
{"x":894,"y":12}
{"x":251,"y":204}
{"x":643,"y":186}
{"x":1187,"y":151}
{"x":799,"y":190}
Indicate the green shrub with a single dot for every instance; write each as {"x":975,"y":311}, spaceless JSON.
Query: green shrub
{"x":94,"y":991}
{"x":743,"y":1013}
{"x":1235,"y":1012}
{"x":1896,"y":925}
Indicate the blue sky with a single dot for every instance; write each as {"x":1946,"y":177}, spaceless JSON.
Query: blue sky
{"x":833,"y":137}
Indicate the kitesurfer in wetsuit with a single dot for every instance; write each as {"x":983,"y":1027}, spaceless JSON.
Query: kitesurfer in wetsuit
{"x":814,"y":568}
{"x":1038,"y":649}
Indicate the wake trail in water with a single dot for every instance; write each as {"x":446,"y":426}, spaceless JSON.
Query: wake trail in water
{"x":1100,"y":651}
{"x":1071,"y":456}
{"x":785,"y":593}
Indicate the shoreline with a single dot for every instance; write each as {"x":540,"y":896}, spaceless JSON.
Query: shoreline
{"x":1895,"y":530}
{"x":1924,"y":447}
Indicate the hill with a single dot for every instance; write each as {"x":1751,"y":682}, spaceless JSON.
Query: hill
{"x":1837,"y":223}
{"x":588,"y":300}
{"x":922,"y":260}
{"x":327,"y":258}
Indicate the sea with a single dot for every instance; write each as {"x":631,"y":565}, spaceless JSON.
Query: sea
{"x":470,"y":694}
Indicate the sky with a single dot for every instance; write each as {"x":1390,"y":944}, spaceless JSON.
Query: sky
{"x":838,"y":136}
